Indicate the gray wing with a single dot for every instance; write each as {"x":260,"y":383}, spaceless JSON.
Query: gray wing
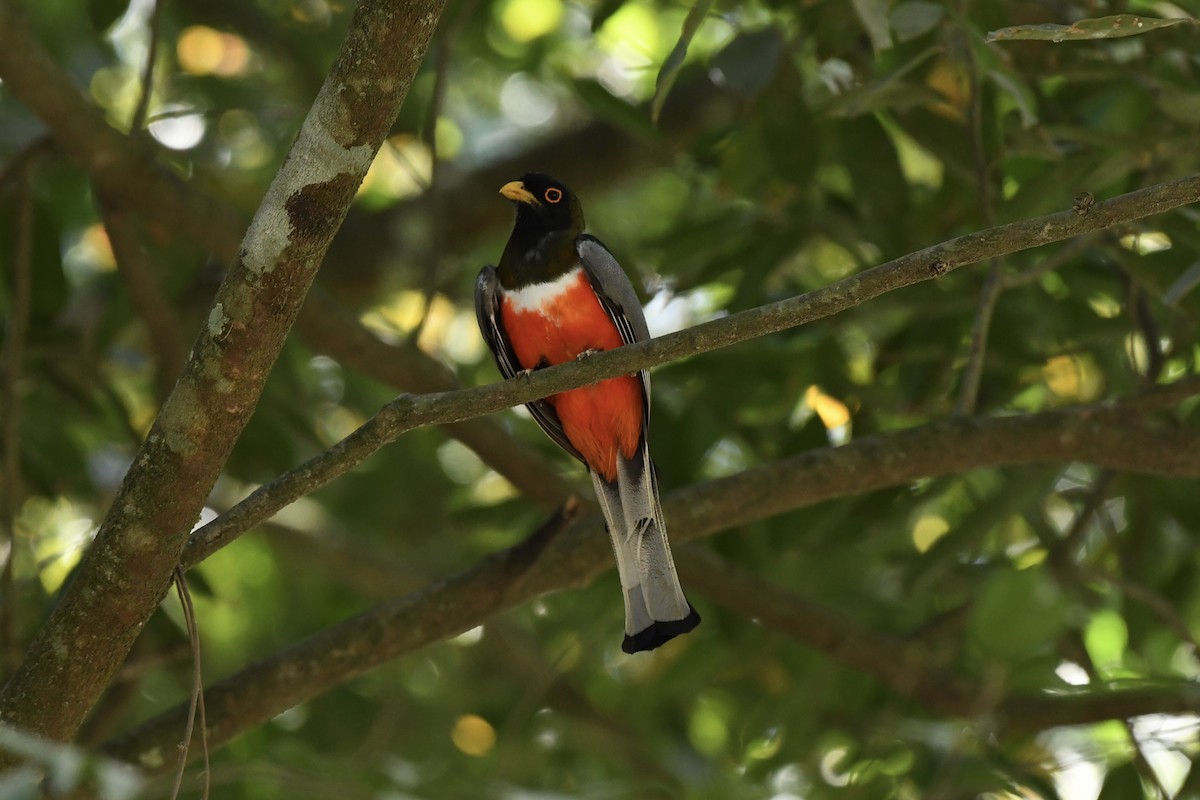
{"x":613,"y":286}
{"x":656,"y":609}
{"x":618,"y":298}
{"x":487,"y":314}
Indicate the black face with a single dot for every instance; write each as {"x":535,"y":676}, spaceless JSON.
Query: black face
{"x":542,"y":245}
{"x":549,"y":205}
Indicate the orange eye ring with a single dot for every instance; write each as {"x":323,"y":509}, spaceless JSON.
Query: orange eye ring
{"x":553,"y":195}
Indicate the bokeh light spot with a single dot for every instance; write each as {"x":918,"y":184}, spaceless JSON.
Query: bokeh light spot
{"x":202,"y":50}
{"x":402,"y":168}
{"x":473,"y":735}
{"x":526,"y":20}
{"x":526,"y":102}
{"x":927,"y":530}
{"x":633,"y":29}
{"x":179,"y":127}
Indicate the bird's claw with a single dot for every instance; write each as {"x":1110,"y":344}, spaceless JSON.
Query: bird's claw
{"x":586,"y":353}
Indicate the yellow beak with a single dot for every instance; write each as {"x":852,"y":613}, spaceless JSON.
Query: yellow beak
{"x":516,"y":191}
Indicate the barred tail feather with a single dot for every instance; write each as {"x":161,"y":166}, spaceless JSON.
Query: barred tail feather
{"x":656,"y":610}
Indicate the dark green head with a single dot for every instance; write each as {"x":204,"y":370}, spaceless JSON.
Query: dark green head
{"x":542,"y":244}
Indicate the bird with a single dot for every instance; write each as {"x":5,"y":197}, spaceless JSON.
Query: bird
{"x":557,"y":295}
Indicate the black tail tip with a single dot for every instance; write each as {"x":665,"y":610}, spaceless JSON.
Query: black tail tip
{"x":660,"y":632}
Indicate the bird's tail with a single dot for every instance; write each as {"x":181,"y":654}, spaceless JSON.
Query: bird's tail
{"x":655,"y":608}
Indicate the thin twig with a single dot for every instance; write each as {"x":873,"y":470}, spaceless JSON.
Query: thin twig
{"x":574,"y":557}
{"x":17,"y":166}
{"x":196,"y":702}
{"x":1159,"y":605}
{"x":1068,"y":547}
{"x":433,"y":192}
{"x":1143,"y":449}
{"x":993,"y":284}
{"x":1141,"y":763}
{"x":408,"y":411}
{"x":143,"y":107}
{"x":113,"y":707}
{"x":434,"y":196}
{"x":1052,"y":262}
{"x":1068,"y":571}
{"x":326,"y":327}
{"x":909,"y":667}
{"x":145,"y":292}
{"x":128,"y":567}
{"x":1064,"y":554}
{"x":972,"y":374}
{"x":548,"y":683}
{"x":521,"y":558}
{"x":1143,"y":324}
{"x":10,"y":440}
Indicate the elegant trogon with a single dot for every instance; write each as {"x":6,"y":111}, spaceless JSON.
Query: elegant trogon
{"x":558,"y":294}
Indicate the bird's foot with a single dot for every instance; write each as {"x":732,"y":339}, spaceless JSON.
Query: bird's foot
{"x":542,"y":364}
{"x":591,"y":351}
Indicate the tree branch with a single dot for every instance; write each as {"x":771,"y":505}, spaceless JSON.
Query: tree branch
{"x":904,"y":666}
{"x":993,"y":283}
{"x":128,"y":568}
{"x":1096,"y":434}
{"x":1030,"y":713}
{"x":909,"y":668}
{"x":122,"y":166}
{"x":126,"y":167}
{"x":328,"y":328}
{"x":408,"y":412}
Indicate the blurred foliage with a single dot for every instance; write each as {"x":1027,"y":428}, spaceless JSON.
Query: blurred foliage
{"x":826,"y":137}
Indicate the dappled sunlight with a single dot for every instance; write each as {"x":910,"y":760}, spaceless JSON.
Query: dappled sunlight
{"x":527,"y":103}
{"x":927,"y":530}
{"x":204,"y":51}
{"x":446,"y":329}
{"x":833,"y":414}
{"x":473,"y":735}
{"x":929,"y":483}
{"x":1146,"y":242}
{"x":399,"y":314}
{"x":401,"y":169}
{"x":91,"y":253}
{"x":1073,"y":378}
{"x":58,"y":531}
{"x":526,"y":20}
{"x":178,"y":126}
{"x":709,"y":722}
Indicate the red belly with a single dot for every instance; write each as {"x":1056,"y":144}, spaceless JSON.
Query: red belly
{"x":599,"y":420}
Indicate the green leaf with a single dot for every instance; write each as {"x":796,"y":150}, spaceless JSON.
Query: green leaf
{"x":764,"y":747}
{"x":1086,"y":29}
{"x":674,"y":61}
{"x":916,"y":18}
{"x":1018,"y":612}
{"x":1106,"y":638}
{"x":874,"y":16}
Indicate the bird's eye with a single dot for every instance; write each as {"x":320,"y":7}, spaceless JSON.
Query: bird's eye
{"x":553,"y":195}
